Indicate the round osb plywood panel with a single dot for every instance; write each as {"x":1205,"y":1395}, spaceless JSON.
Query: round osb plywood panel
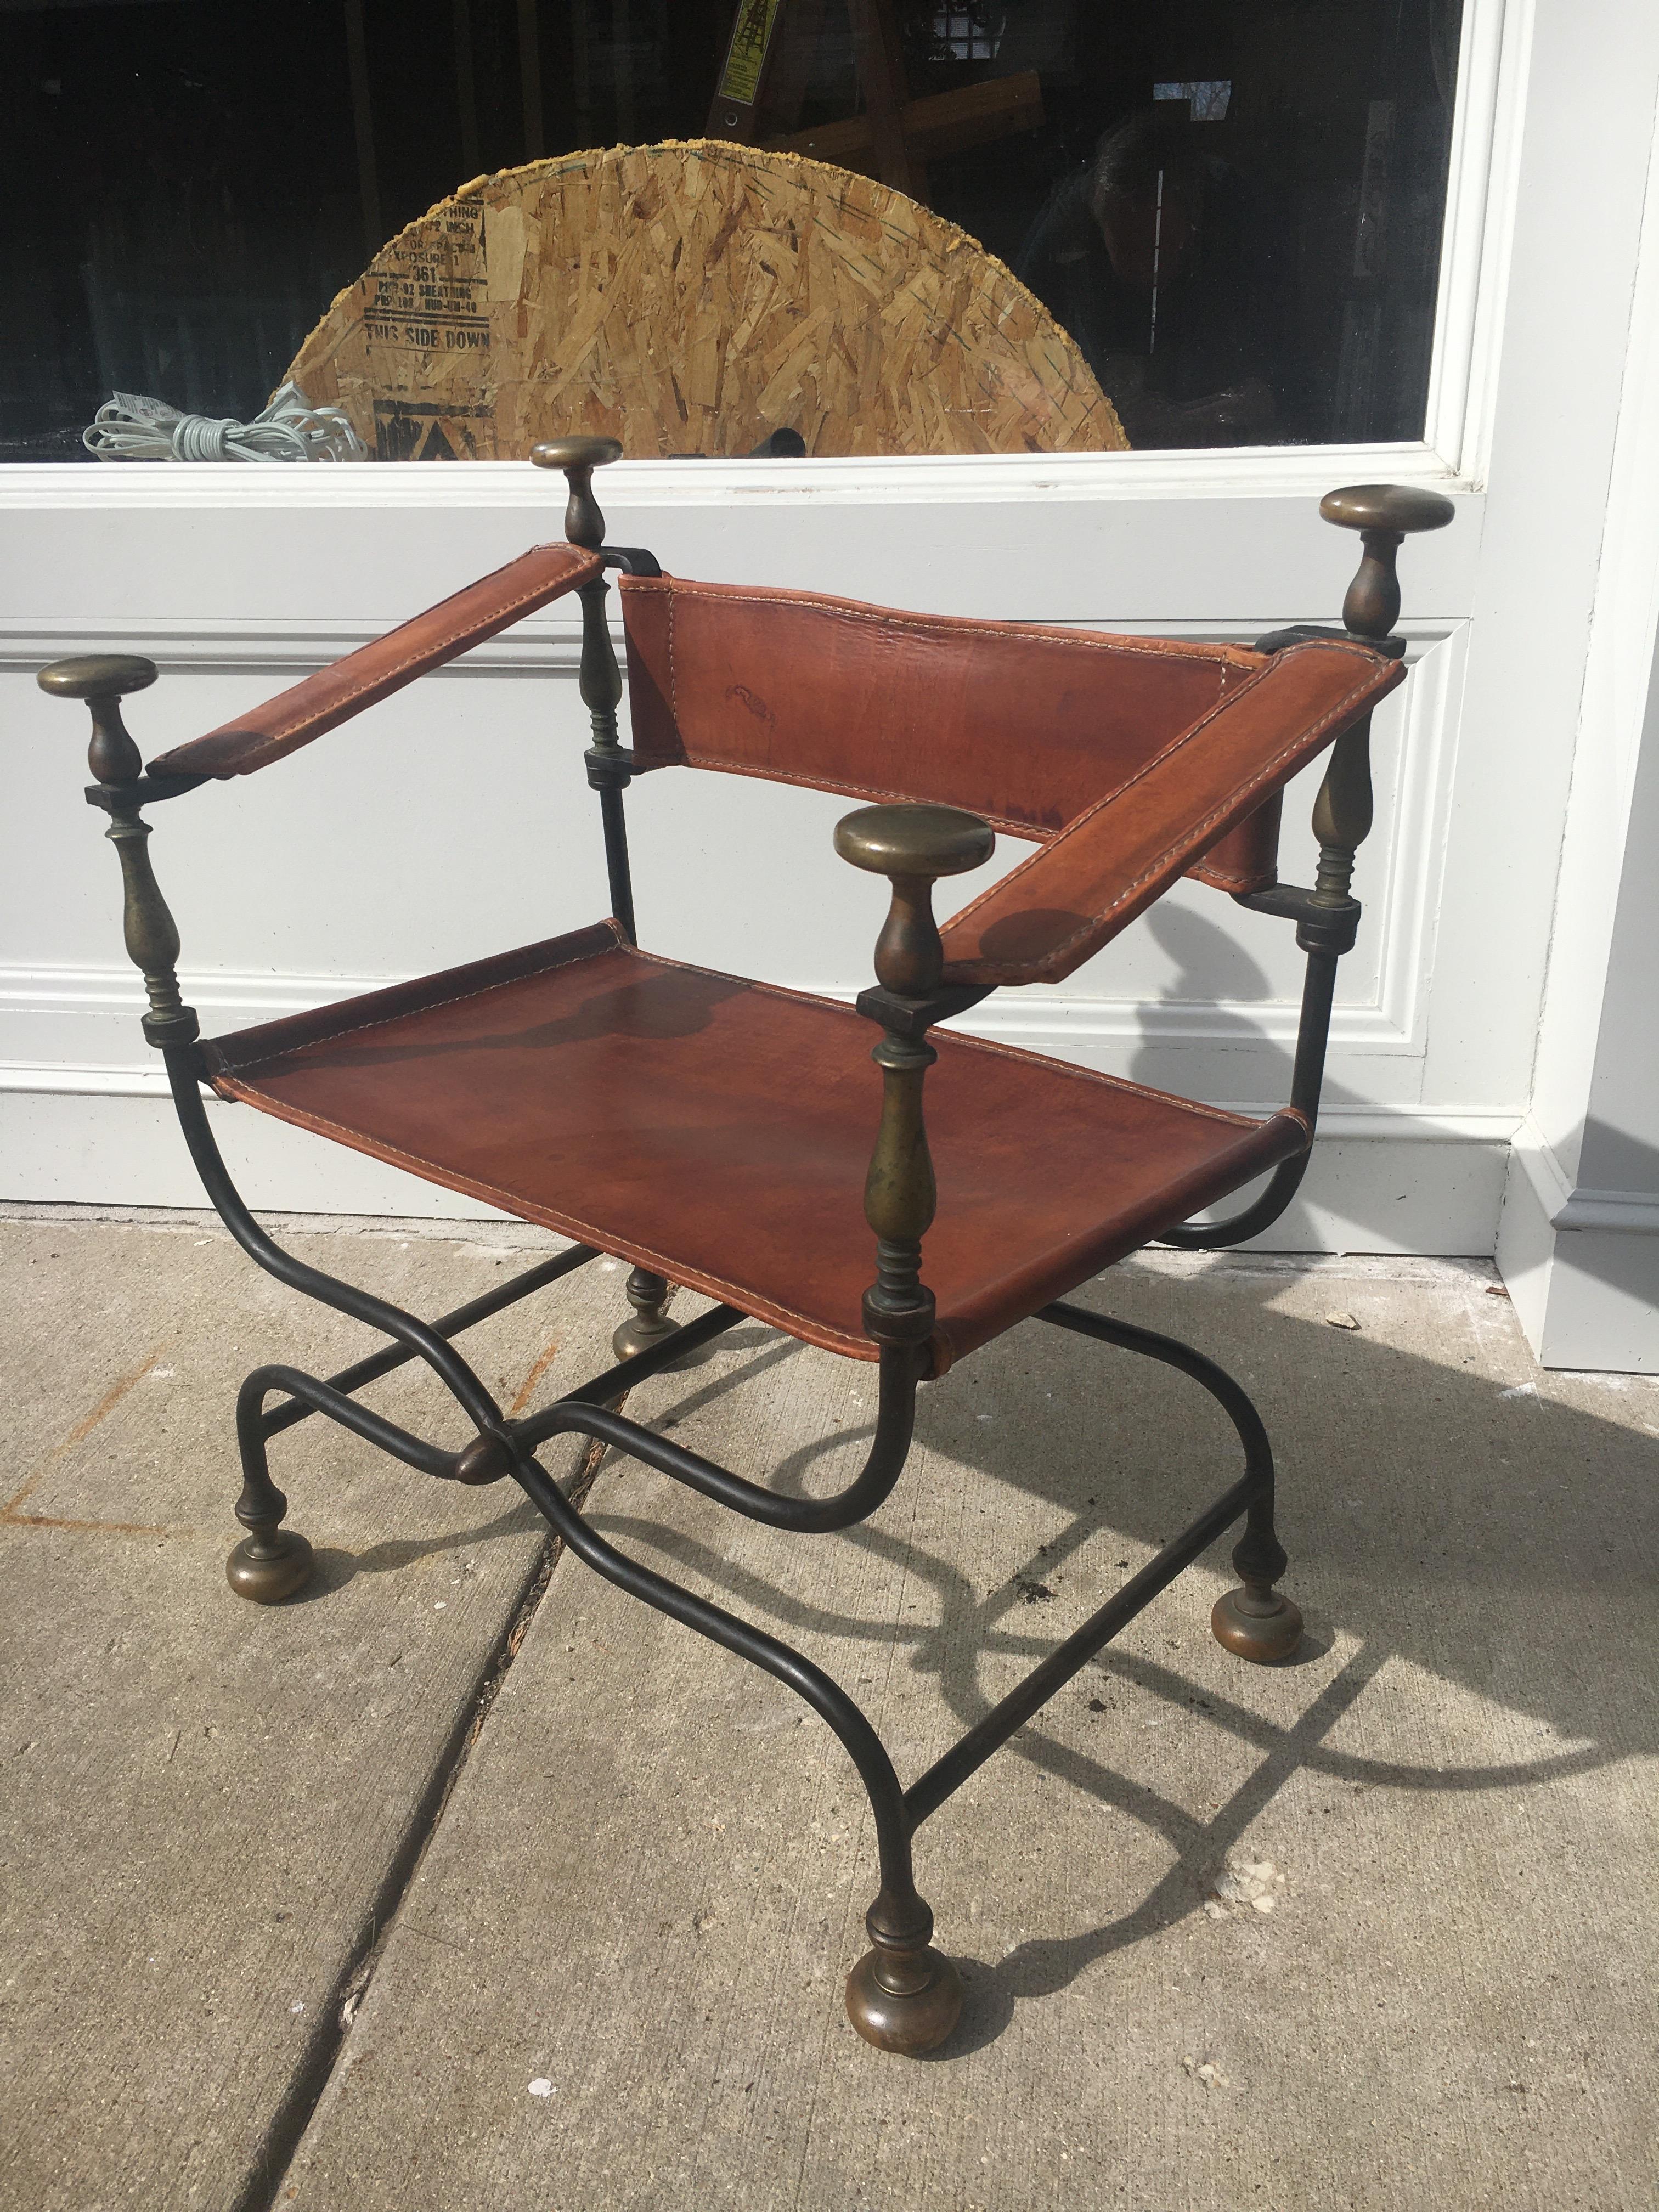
{"x":691,"y":299}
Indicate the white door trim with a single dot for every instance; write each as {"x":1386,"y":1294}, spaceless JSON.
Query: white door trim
{"x":1485,"y":154}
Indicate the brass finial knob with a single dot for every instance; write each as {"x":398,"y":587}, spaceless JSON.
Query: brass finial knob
{"x":103,"y":680}
{"x":97,"y":676}
{"x":584,"y":524}
{"x":576,"y":452}
{"x":1401,"y":508}
{"x":1384,"y":515}
{"x":910,"y":840}
{"x":913,"y":845}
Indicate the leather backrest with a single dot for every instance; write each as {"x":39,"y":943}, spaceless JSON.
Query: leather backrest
{"x":1023,"y":723}
{"x":1131,"y":760}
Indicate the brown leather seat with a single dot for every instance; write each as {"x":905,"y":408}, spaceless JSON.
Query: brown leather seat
{"x":719,"y":1131}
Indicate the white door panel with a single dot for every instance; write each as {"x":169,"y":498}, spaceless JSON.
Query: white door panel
{"x":455,"y":820}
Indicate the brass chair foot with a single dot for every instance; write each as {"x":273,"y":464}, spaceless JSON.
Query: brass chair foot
{"x":914,"y":2016}
{"x":640,"y":1332}
{"x":1256,"y":1623}
{"x":270,"y":1564}
{"x":648,"y":1324}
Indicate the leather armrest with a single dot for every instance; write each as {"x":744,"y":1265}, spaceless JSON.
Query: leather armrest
{"x":322,"y":701}
{"x":1076,"y":892}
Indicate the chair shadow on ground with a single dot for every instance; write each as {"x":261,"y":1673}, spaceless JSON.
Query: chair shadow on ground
{"x":1504,"y":1542}
{"x":335,"y":1566}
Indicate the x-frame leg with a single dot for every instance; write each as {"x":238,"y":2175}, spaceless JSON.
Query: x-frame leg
{"x":903,"y":1995}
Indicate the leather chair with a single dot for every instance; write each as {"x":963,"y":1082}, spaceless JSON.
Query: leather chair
{"x":728,"y":1136}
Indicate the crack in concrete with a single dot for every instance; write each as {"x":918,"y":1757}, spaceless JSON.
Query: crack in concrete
{"x":337,"y":2015}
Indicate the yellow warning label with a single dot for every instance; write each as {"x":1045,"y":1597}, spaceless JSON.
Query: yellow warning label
{"x":750,"y":37}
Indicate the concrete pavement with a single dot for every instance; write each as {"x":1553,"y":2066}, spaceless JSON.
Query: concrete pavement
{"x":1375,"y":1929}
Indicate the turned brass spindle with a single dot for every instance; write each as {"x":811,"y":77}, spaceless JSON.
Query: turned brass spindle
{"x":271,"y":1562}
{"x":601,"y":686}
{"x":899,"y":1195}
{"x":584,"y":526}
{"x":1256,"y":1621}
{"x":912,"y":846}
{"x":601,"y":683}
{"x":1342,"y":813}
{"x":103,"y":680}
{"x":904,"y":1995}
{"x":1385,"y":515}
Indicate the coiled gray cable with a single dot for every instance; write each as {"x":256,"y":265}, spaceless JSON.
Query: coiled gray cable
{"x":130,"y":427}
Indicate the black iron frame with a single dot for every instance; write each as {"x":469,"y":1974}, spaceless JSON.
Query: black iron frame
{"x":902,"y":1994}
{"x":900,"y":1921}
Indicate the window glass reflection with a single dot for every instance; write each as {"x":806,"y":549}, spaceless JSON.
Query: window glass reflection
{"x":1234,"y":207}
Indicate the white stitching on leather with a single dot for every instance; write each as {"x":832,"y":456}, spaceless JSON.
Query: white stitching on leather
{"x":1233,"y":662}
{"x":1106,"y":799}
{"x":262,"y":740}
{"x":955,"y":1038}
{"x":241,"y":1084}
{"x":433,"y":1005}
{"x":1024,"y":968}
{"x":511,"y":1202}
{"x":1154,"y":648}
{"x":1027,"y":832}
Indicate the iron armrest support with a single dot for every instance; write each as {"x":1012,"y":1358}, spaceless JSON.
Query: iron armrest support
{"x":148,"y":791}
{"x":1275,"y":640}
{"x":1307,"y":1079}
{"x":610,"y":763}
{"x":1326,"y":925}
{"x":1326,"y":918}
{"x":1326,"y":929}
{"x":912,"y":1019}
{"x":630,"y":560}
